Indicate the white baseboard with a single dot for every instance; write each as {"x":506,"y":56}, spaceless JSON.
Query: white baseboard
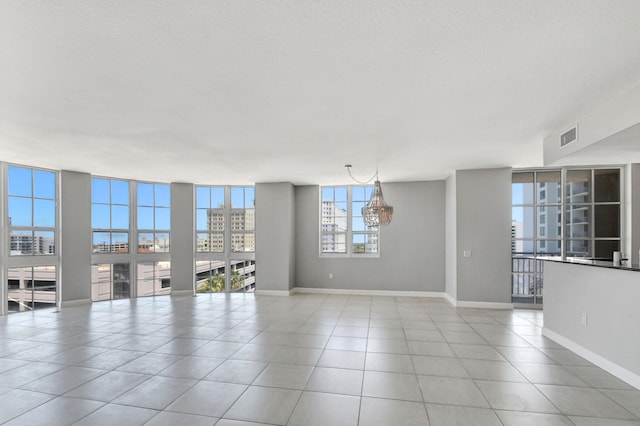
{"x":181,"y":292}
{"x":453,"y":302}
{"x":71,"y":303}
{"x":483,"y":305}
{"x":350,"y":292}
{"x":476,"y":305}
{"x":620,"y":372}
{"x":274,"y":292}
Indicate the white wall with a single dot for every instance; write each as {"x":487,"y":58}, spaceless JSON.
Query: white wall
{"x":483,"y":227}
{"x":412,"y":254}
{"x":618,"y":114}
{"x":609,"y":299}
{"x":275,"y":236}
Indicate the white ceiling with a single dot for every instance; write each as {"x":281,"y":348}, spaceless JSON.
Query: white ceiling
{"x":236,"y":92}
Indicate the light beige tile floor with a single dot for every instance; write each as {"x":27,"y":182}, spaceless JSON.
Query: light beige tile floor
{"x":241,"y":359}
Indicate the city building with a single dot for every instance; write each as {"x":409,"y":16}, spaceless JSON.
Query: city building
{"x":168,"y":255}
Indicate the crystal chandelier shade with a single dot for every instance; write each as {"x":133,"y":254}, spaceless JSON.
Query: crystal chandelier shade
{"x":377,"y":212}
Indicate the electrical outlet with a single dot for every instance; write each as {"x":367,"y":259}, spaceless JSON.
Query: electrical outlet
{"x":583,"y":318}
{"x":466,"y":253}
{"x":330,"y":275}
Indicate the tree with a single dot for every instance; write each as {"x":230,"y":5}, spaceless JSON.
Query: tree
{"x":214,"y":284}
{"x":237,"y":280}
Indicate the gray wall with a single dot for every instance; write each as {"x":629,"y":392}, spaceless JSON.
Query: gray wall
{"x":609,"y":299}
{"x":412,"y":254}
{"x":182,"y":237}
{"x":451,"y":240}
{"x":483,"y":226}
{"x":275,"y":236}
{"x":75,"y":239}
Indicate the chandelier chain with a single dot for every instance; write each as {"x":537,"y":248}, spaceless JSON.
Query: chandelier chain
{"x":375,"y":176}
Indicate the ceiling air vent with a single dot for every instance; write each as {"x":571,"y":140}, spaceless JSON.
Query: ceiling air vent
{"x":569,"y":136}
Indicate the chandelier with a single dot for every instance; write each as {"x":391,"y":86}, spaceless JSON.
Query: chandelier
{"x":377,"y":212}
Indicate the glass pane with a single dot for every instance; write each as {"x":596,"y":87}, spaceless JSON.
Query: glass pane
{"x":237,"y":198}
{"x":44,"y":286}
{"x":548,"y":187}
{"x":604,"y":249}
{"x":524,"y":247}
{"x":606,"y":185}
{"x":201,"y":219}
{"x":163,"y":278}
{"x":334,"y":243}
{"x":328,"y":193}
{"x":341,"y":194}
{"x":44,"y":213}
{"x":522,"y":222}
{"x":249,"y":197}
{"x":20,"y":212}
{"x":101,"y":282}
{"x":163,"y":218}
{"x":145,"y":279}
{"x":364,"y":244}
{"x":101,"y":242}
{"x":120,"y":242}
{"x":20,"y":289}
{"x":121,"y":280}
{"x":202,"y":243}
{"x":210,"y":276}
{"x":203,"y":197}
{"x":162,"y":243}
{"x":100,"y":216}
{"x":215,"y":220}
{"x":216,"y":243}
{"x":217,"y":197}
{"x":522,"y":188}
{"x":243,"y":242}
{"x":578,"y":186}
{"x":20,"y":181}
{"x":44,"y":184}
{"x":44,"y":242}
{"x":120,"y":217}
{"x":607,"y":220}
{"x":358,"y":193}
{"x":100,"y":192}
{"x":577,"y":221}
{"x":120,"y":192}
{"x":163,"y":195}
{"x":243,"y":275}
{"x":145,"y":218}
{"x":145,"y":194}
{"x":549,"y":221}
{"x":549,"y":247}
{"x":250,"y":220}
{"x":578,"y":248}
{"x":21,"y":242}
{"x":145,"y":242}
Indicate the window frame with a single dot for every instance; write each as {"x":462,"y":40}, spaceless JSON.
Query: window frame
{"x":111,"y":230}
{"x":564,"y":205}
{"x":350,"y":232}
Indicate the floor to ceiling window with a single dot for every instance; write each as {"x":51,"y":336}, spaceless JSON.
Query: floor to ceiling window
{"x":225,"y":239}
{"x":153,"y":266}
{"x":563,"y":212}
{"x":32,"y":223}
{"x":110,"y":222}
